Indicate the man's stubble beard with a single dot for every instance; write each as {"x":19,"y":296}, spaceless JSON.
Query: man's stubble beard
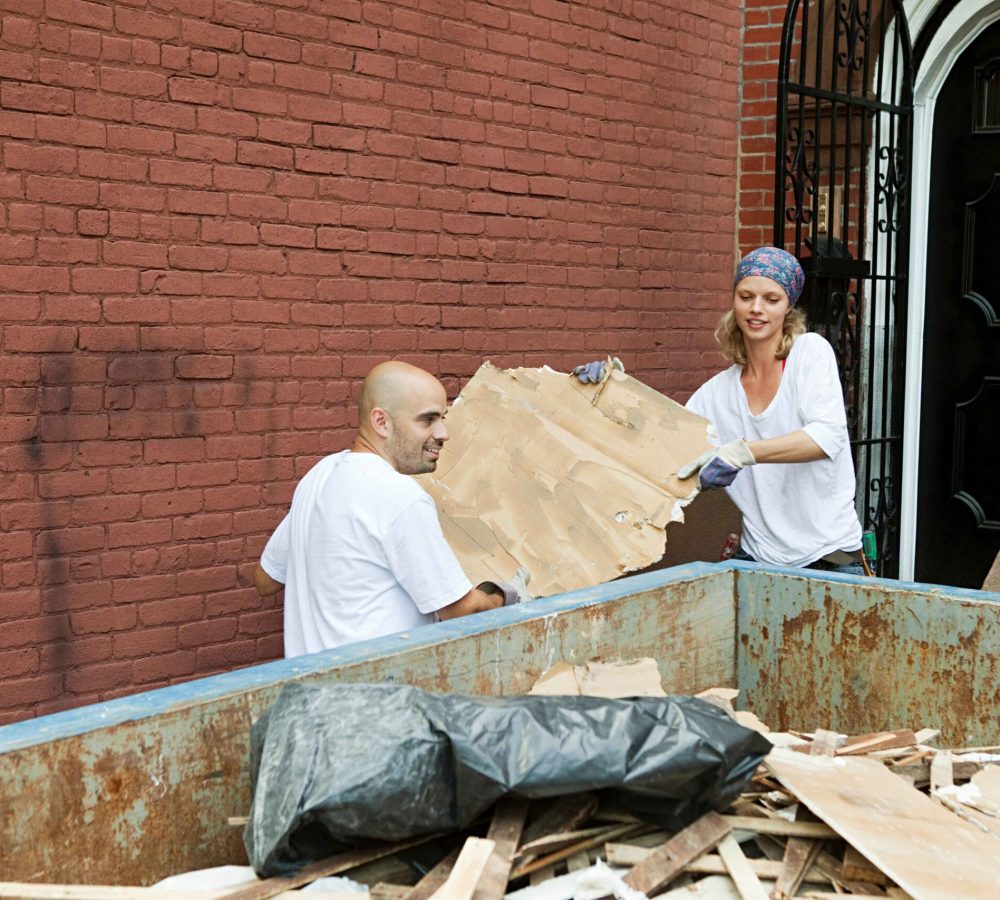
{"x":408,"y":459}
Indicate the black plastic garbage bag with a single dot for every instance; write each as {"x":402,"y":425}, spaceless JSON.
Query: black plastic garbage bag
{"x":387,"y":762}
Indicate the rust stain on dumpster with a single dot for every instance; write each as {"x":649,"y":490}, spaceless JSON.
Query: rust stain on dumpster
{"x":858,"y":657}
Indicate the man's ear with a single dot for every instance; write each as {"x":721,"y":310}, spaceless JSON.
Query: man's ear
{"x":381,"y":423}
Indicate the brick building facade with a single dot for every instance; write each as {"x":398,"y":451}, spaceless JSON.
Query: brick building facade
{"x":217,"y":216}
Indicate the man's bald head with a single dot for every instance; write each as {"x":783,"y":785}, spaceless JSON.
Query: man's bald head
{"x":390,"y":385}
{"x":401,"y":416}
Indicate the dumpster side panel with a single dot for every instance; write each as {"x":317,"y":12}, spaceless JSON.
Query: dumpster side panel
{"x":132,"y":791}
{"x":858,"y":655}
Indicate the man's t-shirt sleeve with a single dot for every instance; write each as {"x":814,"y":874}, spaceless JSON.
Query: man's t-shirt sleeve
{"x":421,"y":559}
{"x":274,"y":559}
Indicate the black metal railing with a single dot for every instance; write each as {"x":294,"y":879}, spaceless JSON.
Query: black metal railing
{"x":845,"y":106}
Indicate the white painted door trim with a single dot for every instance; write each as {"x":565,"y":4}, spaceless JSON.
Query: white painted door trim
{"x":962,"y":26}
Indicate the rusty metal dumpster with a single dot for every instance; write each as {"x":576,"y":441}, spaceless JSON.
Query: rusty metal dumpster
{"x":133,"y":790}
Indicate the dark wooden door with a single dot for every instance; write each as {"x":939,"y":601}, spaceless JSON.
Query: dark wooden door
{"x":958,"y":504}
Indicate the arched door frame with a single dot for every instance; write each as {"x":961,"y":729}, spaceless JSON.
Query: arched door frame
{"x":962,"y":25}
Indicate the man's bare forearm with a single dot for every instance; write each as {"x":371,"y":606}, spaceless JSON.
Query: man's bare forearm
{"x":474,"y":601}
{"x":265,"y":584}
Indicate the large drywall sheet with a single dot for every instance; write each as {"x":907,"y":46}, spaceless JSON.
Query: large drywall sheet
{"x":573,"y":482}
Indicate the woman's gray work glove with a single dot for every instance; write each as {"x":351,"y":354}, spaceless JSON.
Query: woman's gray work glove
{"x":719,"y":466}
{"x":593,"y":372}
{"x":514,"y":591}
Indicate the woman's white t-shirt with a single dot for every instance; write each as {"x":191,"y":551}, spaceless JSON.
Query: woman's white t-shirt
{"x":361,"y":554}
{"x":793,"y":513}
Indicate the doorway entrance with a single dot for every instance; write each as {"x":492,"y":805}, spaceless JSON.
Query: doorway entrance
{"x":958,"y":503}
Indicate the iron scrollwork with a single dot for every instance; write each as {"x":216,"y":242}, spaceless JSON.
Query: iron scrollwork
{"x":800,"y":174}
{"x":853,"y":28}
{"x":891,"y":188}
{"x":846,"y":344}
{"x":883,"y":519}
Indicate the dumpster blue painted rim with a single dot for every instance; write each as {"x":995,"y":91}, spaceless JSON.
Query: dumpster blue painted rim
{"x":69,"y":723}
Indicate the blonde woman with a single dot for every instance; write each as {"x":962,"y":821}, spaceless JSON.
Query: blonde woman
{"x":779,"y":414}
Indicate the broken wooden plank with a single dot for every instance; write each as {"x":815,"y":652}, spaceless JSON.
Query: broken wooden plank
{"x":831,"y":895}
{"x":612,"y":814}
{"x":648,"y":839}
{"x":578,"y":861}
{"x":857,"y":868}
{"x":923,"y":848}
{"x":314,"y":895}
{"x":552,"y":842}
{"x":800,"y":853}
{"x":747,"y":883}
{"x":627,"y":855}
{"x":825,"y":865}
{"x":562,"y":814}
{"x":332,"y":865}
{"x":13,"y":890}
{"x":539,"y":876}
{"x":669,"y":860}
{"x":715,"y":887}
{"x":541,"y":862}
{"x":919,"y":771}
{"x":783,"y":827}
{"x":886,"y":740}
{"x":384,"y":890}
{"x":505,"y":832}
{"x":42,"y":891}
{"x":434,"y":878}
{"x":388,"y":870}
{"x":469,"y":868}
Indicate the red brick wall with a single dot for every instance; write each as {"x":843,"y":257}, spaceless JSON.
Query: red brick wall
{"x":218,"y":215}
{"x":763,"y":21}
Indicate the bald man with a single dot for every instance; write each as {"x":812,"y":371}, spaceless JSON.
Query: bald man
{"x":361,"y":553}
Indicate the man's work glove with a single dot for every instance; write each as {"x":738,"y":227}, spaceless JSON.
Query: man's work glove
{"x":594,"y":372}
{"x":719,"y":466}
{"x":514,"y":591}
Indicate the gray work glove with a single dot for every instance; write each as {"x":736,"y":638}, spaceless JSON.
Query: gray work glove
{"x":719,"y":466}
{"x":514,"y":591}
{"x":594,"y":372}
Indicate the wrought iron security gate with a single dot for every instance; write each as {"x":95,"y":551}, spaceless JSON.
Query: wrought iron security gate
{"x":841,"y":206}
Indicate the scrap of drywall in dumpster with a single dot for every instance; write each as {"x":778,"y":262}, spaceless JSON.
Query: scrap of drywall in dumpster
{"x":573,"y":482}
{"x":614,"y":680}
{"x":928,"y":851}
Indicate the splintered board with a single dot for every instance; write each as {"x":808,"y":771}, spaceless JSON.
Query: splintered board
{"x":929,"y":852}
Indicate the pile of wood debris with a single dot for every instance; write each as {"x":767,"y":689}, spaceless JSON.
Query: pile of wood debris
{"x":878,"y":815}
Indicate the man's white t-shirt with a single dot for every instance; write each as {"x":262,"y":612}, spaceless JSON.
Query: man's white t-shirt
{"x":361,"y":555}
{"x":793,"y":513}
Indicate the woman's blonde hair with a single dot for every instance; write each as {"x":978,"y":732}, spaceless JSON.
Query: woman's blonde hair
{"x":730,"y":337}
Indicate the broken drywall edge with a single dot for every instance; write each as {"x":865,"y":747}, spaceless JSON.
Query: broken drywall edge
{"x":613,"y":680}
{"x":574,"y":482}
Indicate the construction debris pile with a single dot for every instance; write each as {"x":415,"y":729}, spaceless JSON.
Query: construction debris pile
{"x":875,"y":815}
{"x":823,"y":815}
{"x":878,"y":815}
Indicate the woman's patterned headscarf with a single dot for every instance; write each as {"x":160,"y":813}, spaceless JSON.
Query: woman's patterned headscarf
{"x":778,"y":265}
